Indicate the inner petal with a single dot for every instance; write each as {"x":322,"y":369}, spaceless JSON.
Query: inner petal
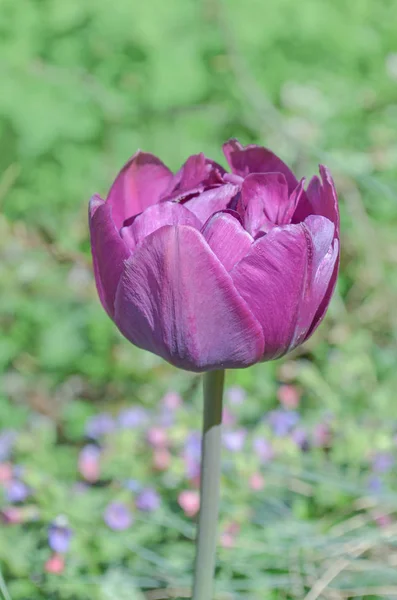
{"x":266,"y":201}
{"x":154,"y":217}
{"x":227,"y":238}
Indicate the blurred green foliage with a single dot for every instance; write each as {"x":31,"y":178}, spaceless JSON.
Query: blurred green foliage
{"x":84,"y":84}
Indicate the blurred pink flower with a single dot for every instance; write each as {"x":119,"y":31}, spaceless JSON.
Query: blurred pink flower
{"x":6,"y":472}
{"x":157,"y":437}
{"x":55,"y":564}
{"x":257,"y":482}
{"x":288,"y":396}
{"x":161,"y":459}
{"x":89,"y":463}
{"x":189,"y":501}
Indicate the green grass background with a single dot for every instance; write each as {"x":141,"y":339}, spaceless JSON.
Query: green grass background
{"x":83,"y":85}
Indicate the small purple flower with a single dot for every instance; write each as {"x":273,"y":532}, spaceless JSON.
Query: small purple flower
{"x":374,"y":484}
{"x":382,"y":462}
{"x":234,"y":440}
{"x":192,"y":454}
{"x":16,"y":491}
{"x":59,"y":535}
{"x":7,"y":439}
{"x":148,"y":500}
{"x":282,"y":421}
{"x":236,"y":395}
{"x":192,"y":447}
{"x":299,"y":436}
{"x":99,"y":425}
{"x":132,"y":418}
{"x":263,"y":449}
{"x":118,"y":516}
{"x":133,"y":485}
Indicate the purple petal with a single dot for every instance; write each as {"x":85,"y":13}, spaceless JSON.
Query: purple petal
{"x":323,"y":197}
{"x":177,"y":300}
{"x":108,"y":252}
{"x":156,"y":216}
{"x":227,"y":238}
{"x":323,"y":256}
{"x":195,"y":175}
{"x":266,"y":201}
{"x":279,"y":264}
{"x":212,"y":201}
{"x":324,"y":200}
{"x":140,"y":183}
{"x":256,"y":159}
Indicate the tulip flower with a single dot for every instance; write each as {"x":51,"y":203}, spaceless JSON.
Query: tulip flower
{"x":210,"y":269}
{"x":213,"y":270}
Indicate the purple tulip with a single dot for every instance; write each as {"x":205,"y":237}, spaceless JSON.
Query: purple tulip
{"x":213,"y":270}
{"x":59,"y":535}
{"x":148,"y":500}
{"x":118,"y":516}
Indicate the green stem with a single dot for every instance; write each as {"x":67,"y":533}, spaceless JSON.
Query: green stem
{"x":209,"y":486}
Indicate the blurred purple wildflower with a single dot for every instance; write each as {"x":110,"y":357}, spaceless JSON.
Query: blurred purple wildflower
{"x":192,"y":454}
{"x":16,"y":491}
{"x":263,"y":449}
{"x":59,"y":535}
{"x":234,"y":440}
{"x":236,"y":395}
{"x":99,"y":425}
{"x":134,"y":417}
{"x":299,"y":436}
{"x":118,"y":516}
{"x":7,"y":439}
{"x":374,"y":484}
{"x":282,"y":421}
{"x":382,"y":462}
{"x":148,"y":500}
{"x":133,"y":485}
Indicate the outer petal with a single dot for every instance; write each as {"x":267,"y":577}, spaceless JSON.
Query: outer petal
{"x":212,"y":201}
{"x":108,"y":252}
{"x":320,"y":268}
{"x":156,"y":216}
{"x":277,"y":279}
{"x":324,"y":201}
{"x":227,"y":238}
{"x":320,"y":199}
{"x":177,"y":300}
{"x":266,"y":201}
{"x":139,"y":184}
{"x":323,"y":197}
{"x":256,"y":159}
